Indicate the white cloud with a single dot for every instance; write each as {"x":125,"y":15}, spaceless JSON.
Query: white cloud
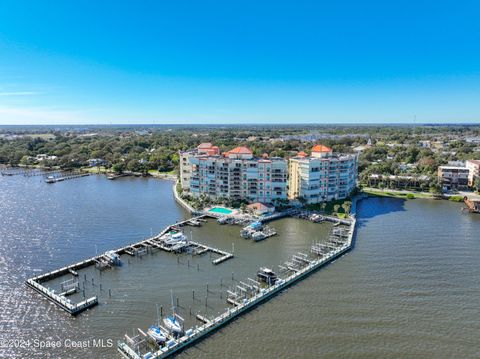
{"x":19,"y":93}
{"x":40,"y":116}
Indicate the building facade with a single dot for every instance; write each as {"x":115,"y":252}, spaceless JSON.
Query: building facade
{"x":473,"y":171}
{"x":204,"y":149}
{"x":236,"y":174}
{"x":323,"y":176}
{"x":453,"y":178}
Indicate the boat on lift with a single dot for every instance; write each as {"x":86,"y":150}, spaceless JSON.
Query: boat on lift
{"x":173,"y":237}
{"x":113,"y":257}
{"x":172,"y":322}
{"x":155,"y":332}
{"x":267,"y":275}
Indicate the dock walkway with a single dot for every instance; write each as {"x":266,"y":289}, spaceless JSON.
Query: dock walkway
{"x":303,"y":268}
{"x":99,"y":261}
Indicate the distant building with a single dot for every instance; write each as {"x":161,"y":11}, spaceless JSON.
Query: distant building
{"x":425,"y":144}
{"x":235,"y":174}
{"x":473,"y":171}
{"x":399,"y":182}
{"x":453,"y":177}
{"x":94,"y":162}
{"x":324,"y":176}
{"x":43,"y":157}
{"x":261,"y":208}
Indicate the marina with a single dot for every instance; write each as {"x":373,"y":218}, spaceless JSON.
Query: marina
{"x":112,"y":258}
{"x":249,"y":293}
{"x":401,"y":276}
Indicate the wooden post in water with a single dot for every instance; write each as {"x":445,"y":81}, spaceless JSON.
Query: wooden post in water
{"x":193,"y":294}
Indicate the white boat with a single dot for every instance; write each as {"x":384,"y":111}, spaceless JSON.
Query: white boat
{"x":173,"y":237}
{"x":179,"y":245}
{"x":172,"y":322}
{"x":113,"y":257}
{"x":195,"y":223}
{"x":258,"y":236}
{"x":156,"y":334}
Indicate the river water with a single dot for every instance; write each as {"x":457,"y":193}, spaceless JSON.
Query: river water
{"x":409,"y":288}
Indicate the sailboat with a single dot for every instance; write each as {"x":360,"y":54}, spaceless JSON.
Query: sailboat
{"x":155,"y":332}
{"x":172,"y":322}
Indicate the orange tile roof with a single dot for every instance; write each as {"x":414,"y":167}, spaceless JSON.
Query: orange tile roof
{"x":205,"y":145}
{"x":321,"y":148}
{"x":301,"y":154}
{"x":242,"y":150}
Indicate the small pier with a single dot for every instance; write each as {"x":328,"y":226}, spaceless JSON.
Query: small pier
{"x":65,"y":176}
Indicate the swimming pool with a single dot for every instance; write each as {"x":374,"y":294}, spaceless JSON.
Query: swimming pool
{"x":220,"y":210}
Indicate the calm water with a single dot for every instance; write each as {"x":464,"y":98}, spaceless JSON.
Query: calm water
{"x":409,"y":288}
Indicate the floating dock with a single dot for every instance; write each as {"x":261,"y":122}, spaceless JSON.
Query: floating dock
{"x":252,"y":294}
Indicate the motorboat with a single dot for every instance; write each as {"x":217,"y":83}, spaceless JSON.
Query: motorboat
{"x":267,"y":275}
{"x":179,"y":245}
{"x":258,"y":236}
{"x":247,"y":232}
{"x":173,"y":237}
{"x":113,"y":257}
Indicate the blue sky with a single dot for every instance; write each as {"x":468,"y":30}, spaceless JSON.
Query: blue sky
{"x":104,"y":62}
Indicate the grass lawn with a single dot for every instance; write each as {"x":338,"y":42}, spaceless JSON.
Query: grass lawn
{"x":394,"y":194}
{"x":329,"y":207}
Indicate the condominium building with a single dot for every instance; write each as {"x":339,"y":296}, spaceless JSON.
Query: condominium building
{"x":323,"y":176}
{"x":204,"y":149}
{"x":236,"y":174}
{"x":473,"y":171}
{"x":453,"y":177}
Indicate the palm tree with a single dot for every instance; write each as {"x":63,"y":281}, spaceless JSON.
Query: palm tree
{"x":336,"y":208}
{"x":323,"y":206}
{"x":347,"y":206}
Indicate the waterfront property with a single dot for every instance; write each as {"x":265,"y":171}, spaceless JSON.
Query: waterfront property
{"x":323,"y":176}
{"x":235,"y":174}
{"x":453,"y":178}
{"x":473,"y":171}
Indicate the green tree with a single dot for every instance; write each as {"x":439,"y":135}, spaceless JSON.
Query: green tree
{"x":118,"y":167}
{"x":336,"y":208}
{"x":347,"y":206}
